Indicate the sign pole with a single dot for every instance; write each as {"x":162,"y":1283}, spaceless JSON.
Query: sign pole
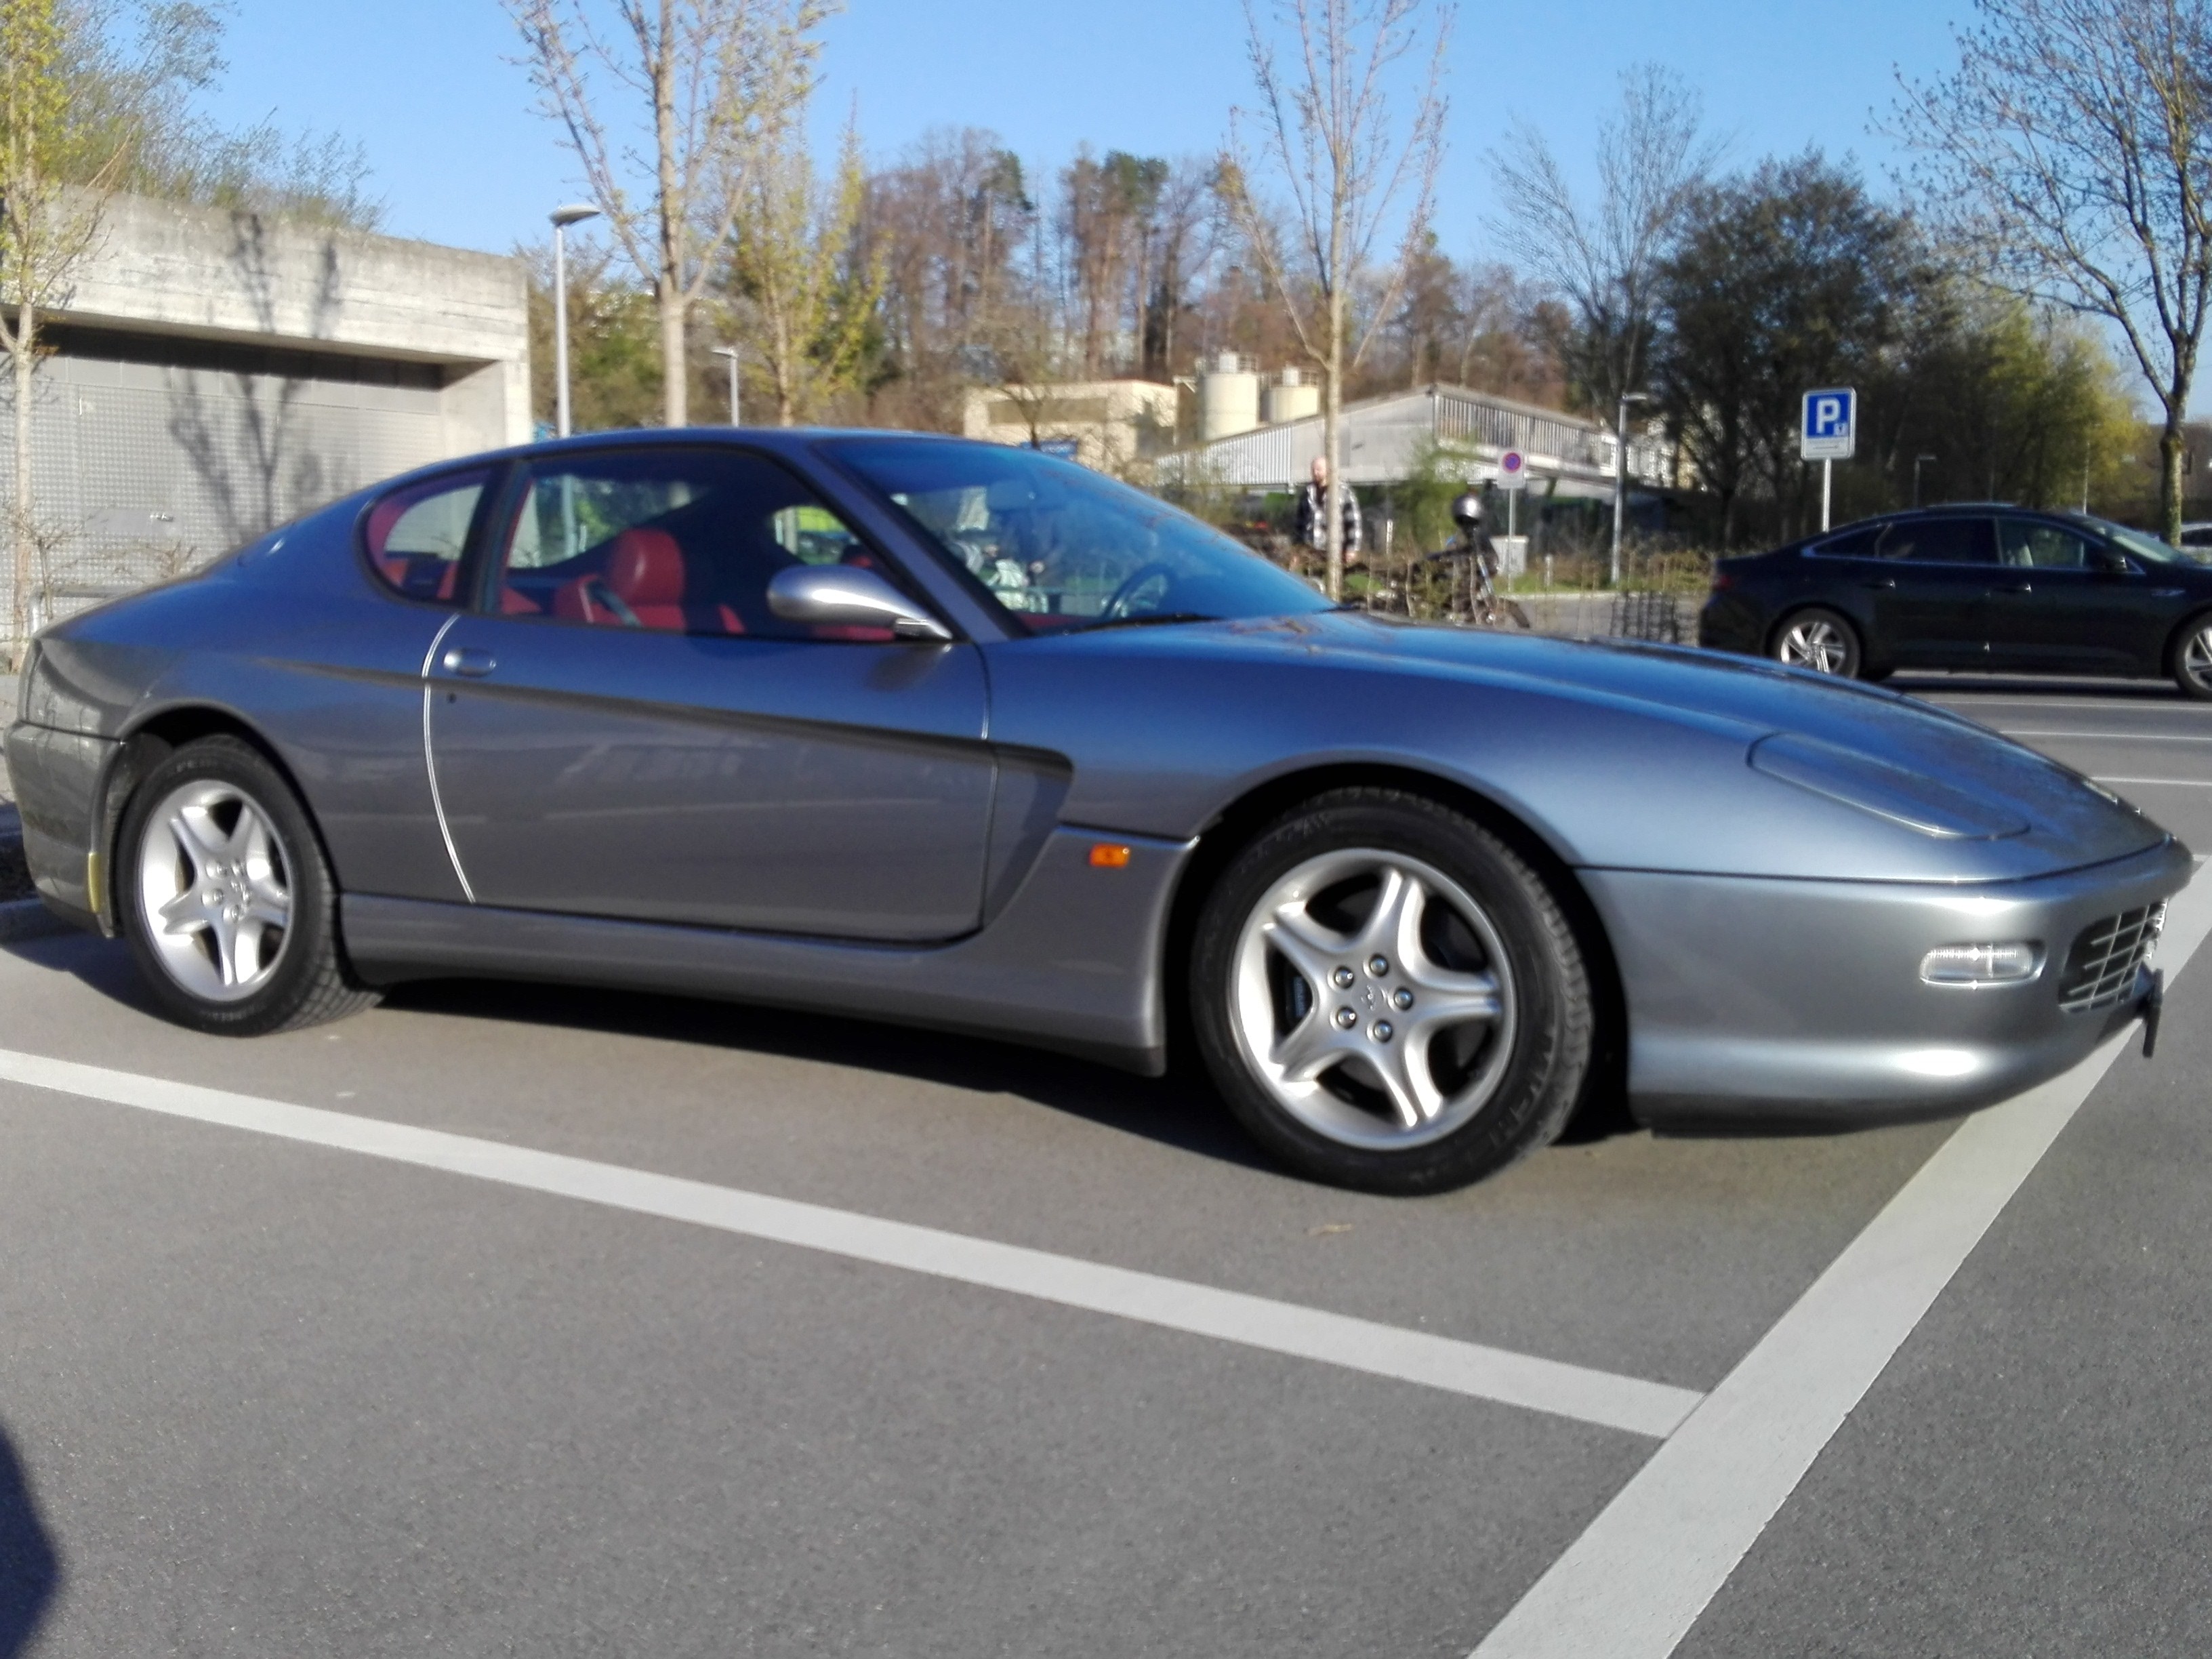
{"x":1827,"y":488}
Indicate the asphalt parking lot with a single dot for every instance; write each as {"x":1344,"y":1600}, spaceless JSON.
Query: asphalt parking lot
{"x":577,"y":1323}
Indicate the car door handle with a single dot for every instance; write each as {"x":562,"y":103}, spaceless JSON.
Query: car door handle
{"x":469,"y":662}
{"x":1877,"y":585}
{"x":2017,"y":587}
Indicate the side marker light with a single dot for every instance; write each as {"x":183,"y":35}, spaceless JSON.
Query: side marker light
{"x":1109,"y":855}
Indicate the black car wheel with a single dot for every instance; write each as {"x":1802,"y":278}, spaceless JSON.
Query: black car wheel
{"x":2191,"y":663}
{"x":225,"y":897}
{"x":1389,"y":998}
{"x":1819,"y":640}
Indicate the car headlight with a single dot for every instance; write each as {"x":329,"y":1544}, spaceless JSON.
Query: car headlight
{"x":1983,"y":964}
{"x":1918,"y":802}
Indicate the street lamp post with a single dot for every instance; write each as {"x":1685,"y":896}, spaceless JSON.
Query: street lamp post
{"x":1918,"y":461}
{"x":730,"y":352}
{"x":1620,"y":473}
{"x":563,"y":218}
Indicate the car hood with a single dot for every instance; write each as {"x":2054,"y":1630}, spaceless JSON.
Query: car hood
{"x":1680,"y":758}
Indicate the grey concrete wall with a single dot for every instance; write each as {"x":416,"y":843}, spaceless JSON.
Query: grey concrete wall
{"x":230,"y":372}
{"x":204,"y":271}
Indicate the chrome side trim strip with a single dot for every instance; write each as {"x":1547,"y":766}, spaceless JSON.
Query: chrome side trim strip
{"x":430,"y":762}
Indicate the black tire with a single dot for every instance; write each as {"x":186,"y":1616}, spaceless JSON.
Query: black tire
{"x":2189,"y":659}
{"x":298,"y":979}
{"x":1536,"y":1056}
{"x":1802,"y":635}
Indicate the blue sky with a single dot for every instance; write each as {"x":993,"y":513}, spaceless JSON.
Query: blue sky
{"x":430,"y":88}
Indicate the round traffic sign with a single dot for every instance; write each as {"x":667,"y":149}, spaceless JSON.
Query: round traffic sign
{"x":1512,"y":471}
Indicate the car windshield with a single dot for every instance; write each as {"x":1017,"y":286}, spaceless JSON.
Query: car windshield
{"x":1060,"y":547}
{"x":2144,"y":545}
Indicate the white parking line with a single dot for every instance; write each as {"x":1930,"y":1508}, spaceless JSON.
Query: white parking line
{"x":2116,"y":737}
{"x":1635,"y":1581}
{"x":1437,"y":1362}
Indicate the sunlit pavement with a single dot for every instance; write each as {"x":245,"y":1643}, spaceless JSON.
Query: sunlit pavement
{"x":275,"y":1385}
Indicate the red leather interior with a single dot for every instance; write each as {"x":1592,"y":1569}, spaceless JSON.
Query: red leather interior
{"x":644,"y":575}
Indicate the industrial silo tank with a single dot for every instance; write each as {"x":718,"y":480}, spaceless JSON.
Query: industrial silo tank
{"x":1293,"y":397}
{"x":1228,"y":397}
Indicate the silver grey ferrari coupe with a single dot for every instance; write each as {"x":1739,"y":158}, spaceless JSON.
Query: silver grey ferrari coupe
{"x":914,"y":729}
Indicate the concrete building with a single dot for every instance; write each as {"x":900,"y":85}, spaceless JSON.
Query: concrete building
{"x":1112,"y":424}
{"x":1385,"y":438}
{"x":215,"y":373}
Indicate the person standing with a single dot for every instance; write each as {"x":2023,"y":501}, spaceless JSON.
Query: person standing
{"x":1313,"y":514}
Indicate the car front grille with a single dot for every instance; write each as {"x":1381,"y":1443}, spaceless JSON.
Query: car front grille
{"x":2100,"y":968}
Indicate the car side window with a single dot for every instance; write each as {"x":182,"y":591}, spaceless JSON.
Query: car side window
{"x":1851,"y":544}
{"x":1941,"y":541}
{"x":2040,"y":546}
{"x":673,"y":541}
{"x":416,"y":536}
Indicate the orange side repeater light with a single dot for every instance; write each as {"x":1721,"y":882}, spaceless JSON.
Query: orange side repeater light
{"x":1109,"y":855}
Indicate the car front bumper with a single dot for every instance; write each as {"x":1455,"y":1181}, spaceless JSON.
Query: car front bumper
{"x":57,"y":777}
{"x":1768,"y":1004}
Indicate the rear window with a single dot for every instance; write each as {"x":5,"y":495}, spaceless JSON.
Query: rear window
{"x":1941,"y":541}
{"x":416,"y":535}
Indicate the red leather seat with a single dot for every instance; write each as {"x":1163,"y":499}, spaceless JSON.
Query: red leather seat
{"x":644,"y":577}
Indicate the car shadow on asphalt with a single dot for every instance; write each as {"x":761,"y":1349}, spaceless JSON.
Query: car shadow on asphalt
{"x":30,"y":1566}
{"x":1178,"y":1110}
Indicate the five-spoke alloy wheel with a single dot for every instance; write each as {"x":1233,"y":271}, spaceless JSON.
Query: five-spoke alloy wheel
{"x":1388,"y":997}
{"x":225,"y":898}
{"x":1820,"y":641}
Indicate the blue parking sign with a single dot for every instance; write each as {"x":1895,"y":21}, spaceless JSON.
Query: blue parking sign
{"x":1830,"y":429}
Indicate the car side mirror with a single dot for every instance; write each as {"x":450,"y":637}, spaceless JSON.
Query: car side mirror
{"x":846,"y":596}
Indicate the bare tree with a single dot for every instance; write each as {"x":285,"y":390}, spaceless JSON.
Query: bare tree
{"x":716,"y":82}
{"x":48,"y":227}
{"x":813,"y":302}
{"x":2073,"y":148}
{"x":1602,"y":258}
{"x":1327,"y":135}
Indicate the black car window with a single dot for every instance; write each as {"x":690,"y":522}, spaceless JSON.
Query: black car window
{"x":1941,"y":541}
{"x":1857,"y":543}
{"x":416,"y":535}
{"x":2043,"y":546}
{"x":675,"y":541}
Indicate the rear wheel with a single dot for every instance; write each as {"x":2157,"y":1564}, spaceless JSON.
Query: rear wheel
{"x":225,"y":898}
{"x":1819,"y":640}
{"x":2190,"y":663}
{"x":1389,"y":998}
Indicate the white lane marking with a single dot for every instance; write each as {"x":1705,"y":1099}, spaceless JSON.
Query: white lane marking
{"x":2169,"y":783}
{"x":1635,"y":1581}
{"x":1467,"y":1368}
{"x":2028,"y":701}
{"x":2117,"y":737}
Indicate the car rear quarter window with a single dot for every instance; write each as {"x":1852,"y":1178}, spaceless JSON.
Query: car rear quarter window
{"x":416,"y":535}
{"x":1858,"y":544}
{"x":1941,"y":541}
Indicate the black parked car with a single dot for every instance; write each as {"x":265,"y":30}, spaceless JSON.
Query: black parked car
{"x":1981,"y":586}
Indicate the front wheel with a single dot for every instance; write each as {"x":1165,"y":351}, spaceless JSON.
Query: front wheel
{"x":225,"y":898}
{"x":1389,"y":998}
{"x":1819,"y":640}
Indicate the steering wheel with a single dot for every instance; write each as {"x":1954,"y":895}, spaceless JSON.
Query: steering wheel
{"x":1118,"y":606}
{"x":596,"y":592}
